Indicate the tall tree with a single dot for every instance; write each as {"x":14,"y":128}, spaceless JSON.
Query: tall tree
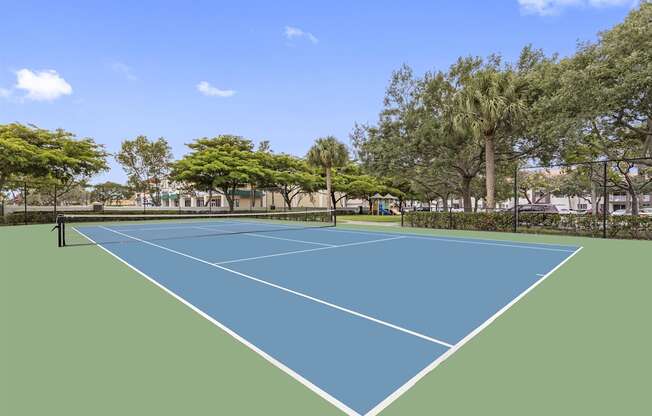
{"x":224,"y":163}
{"x":147,"y":163}
{"x":535,"y":186}
{"x":288,"y":175}
{"x":610,"y":81}
{"x":350,"y":181}
{"x":111,"y":192}
{"x":328,"y":153}
{"x":56,"y":158}
{"x":490,"y":103}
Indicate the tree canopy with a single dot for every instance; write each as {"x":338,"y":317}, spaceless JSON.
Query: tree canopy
{"x":56,"y":157}
{"x":223,"y":162}
{"x":460,"y":132}
{"x":147,"y":164}
{"x":328,"y":153}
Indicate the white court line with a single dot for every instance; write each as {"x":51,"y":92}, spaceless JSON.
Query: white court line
{"x":435,"y":238}
{"x":533,"y":244}
{"x":405,"y":387}
{"x":321,"y":393}
{"x":294,"y":292}
{"x":287,"y":253}
{"x":450,"y":240}
{"x":178,"y":226}
{"x":396,"y":394}
{"x":253,"y":234}
{"x":186,"y":225}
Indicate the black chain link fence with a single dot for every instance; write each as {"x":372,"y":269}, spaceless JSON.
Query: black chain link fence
{"x":608,"y":199}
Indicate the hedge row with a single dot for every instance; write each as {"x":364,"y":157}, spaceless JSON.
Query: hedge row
{"x":626,"y":226}
{"x":33,"y":217}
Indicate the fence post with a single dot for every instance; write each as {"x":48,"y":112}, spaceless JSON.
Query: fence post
{"x":25,"y":202}
{"x":55,"y":201}
{"x":605,"y":206}
{"x":450,"y":217}
{"x":515,"y":225}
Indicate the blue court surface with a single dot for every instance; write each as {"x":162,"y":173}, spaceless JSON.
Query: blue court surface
{"x":356,"y":316}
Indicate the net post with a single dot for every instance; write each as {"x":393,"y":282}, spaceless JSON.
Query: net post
{"x":402,"y":217}
{"x":61,"y":231}
{"x":605,"y":203}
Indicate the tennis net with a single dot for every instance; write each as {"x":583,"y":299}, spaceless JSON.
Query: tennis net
{"x":79,"y":229}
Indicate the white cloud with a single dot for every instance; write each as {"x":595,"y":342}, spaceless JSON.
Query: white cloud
{"x":607,"y":3}
{"x":207,"y":89}
{"x":552,"y":7}
{"x":295,"y":32}
{"x":44,"y":85}
{"x":124,"y":70}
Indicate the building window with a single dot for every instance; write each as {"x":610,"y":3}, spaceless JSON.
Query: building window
{"x":236,"y":202}
{"x":619,"y":197}
{"x":187,"y":202}
{"x":200,"y":202}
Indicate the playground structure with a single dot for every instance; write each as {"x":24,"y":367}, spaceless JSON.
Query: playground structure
{"x":384,"y":205}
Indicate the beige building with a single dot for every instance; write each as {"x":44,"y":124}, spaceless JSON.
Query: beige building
{"x":307,"y":200}
{"x":173,"y":196}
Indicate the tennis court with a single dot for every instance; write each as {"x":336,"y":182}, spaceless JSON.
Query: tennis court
{"x":356,"y":316}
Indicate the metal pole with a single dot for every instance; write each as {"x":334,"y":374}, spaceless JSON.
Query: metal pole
{"x":59,"y":235}
{"x":515,"y":226}
{"x":402,"y":218}
{"x":55,"y":201}
{"x":63,"y":231}
{"x":450,"y":217}
{"x":25,"y":201}
{"x":605,"y":206}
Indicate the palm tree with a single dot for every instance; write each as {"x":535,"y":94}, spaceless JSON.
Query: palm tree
{"x":490,"y":104}
{"x":328,"y":153}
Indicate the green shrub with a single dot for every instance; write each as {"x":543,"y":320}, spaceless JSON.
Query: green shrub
{"x":33,"y":217}
{"x":629,"y":227}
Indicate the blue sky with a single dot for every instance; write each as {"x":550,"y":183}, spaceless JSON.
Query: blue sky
{"x":286,"y":71}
